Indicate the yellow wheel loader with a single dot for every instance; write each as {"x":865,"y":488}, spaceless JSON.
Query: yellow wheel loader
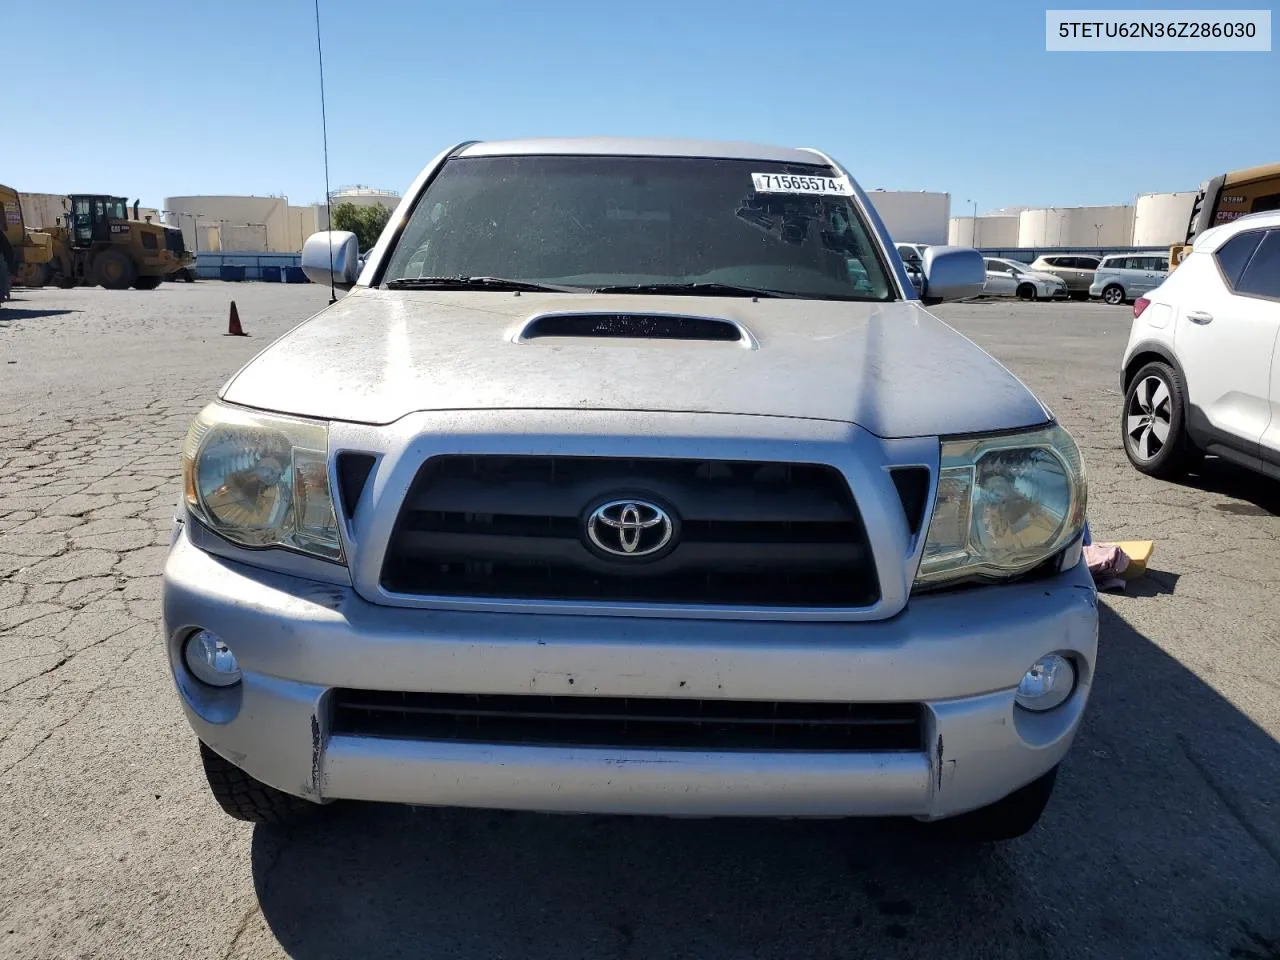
{"x":102,"y":245}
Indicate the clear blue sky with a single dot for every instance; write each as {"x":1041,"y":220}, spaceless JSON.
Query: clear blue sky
{"x":155,"y":99}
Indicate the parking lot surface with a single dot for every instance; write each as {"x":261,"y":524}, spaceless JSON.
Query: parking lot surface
{"x":1162,"y":840}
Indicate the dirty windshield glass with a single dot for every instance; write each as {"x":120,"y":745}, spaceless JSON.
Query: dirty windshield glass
{"x":653,"y":224}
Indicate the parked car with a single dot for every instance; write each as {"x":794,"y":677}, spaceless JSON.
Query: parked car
{"x":1012,"y":278}
{"x":1076,"y":269}
{"x":1197,"y":374}
{"x":1123,"y":277}
{"x":606,"y":489}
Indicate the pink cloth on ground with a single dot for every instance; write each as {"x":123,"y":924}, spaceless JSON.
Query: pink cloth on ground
{"x":1106,"y":562}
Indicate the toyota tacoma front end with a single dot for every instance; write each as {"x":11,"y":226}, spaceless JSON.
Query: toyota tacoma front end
{"x":633,"y":477}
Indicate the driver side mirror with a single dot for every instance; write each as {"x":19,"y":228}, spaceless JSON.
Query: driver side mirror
{"x":952,"y":273}
{"x":332,"y":255}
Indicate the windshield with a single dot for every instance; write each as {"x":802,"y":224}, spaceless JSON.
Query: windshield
{"x":590,"y":222}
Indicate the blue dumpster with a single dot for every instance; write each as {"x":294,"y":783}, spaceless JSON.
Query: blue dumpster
{"x":271,"y":274}
{"x":295,"y":275}
{"x":231,"y":271}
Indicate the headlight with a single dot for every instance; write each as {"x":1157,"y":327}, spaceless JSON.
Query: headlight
{"x":1004,"y":505}
{"x":261,"y":481}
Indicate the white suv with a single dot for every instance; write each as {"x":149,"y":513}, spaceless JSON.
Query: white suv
{"x":1197,"y":374}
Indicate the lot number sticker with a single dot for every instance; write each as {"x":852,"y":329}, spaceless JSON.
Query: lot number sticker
{"x":791,"y":183}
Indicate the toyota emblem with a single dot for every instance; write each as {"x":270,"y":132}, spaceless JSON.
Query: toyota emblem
{"x":629,"y":528}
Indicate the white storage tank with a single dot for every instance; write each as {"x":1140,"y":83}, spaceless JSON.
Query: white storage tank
{"x":919,"y":217}
{"x":243,"y":222}
{"x":1076,"y":227}
{"x":1161,"y":219}
{"x":363,"y":196}
{"x":988,"y":231}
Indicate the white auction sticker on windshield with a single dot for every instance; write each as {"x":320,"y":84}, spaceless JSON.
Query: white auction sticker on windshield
{"x":793,"y":183}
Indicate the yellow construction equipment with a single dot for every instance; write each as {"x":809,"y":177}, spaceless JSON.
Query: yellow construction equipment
{"x":102,"y":245}
{"x":26,"y":254}
{"x":97,"y":243}
{"x":1227,"y":197}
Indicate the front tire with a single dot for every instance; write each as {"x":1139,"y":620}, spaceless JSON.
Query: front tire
{"x":1113,"y":294}
{"x":114,"y":270}
{"x":1026,"y":291}
{"x":1153,"y":422}
{"x":246,"y":798}
{"x":1005,"y":819}
{"x":147,"y":283}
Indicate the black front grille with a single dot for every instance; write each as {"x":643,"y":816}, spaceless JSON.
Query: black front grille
{"x":761,"y":534}
{"x":636,"y":722}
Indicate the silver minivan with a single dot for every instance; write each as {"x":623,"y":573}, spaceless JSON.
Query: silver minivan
{"x":1124,"y":277}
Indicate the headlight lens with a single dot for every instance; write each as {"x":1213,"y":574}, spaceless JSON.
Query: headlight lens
{"x":1004,"y":504}
{"x":261,"y":481}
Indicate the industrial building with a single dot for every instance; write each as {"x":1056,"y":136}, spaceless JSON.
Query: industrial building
{"x":1154,"y":220}
{"x":234,"y":224}
{"x":913,"y":217}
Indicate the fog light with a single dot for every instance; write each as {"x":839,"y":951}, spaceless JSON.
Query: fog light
{"x":1047,"y":683}
{"x":211,"y":660}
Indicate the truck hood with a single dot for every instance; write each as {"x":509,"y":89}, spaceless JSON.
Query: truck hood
{"x":890,"y":368}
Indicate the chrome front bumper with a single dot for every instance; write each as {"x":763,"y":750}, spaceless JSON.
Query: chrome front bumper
{"x":960,"y":653}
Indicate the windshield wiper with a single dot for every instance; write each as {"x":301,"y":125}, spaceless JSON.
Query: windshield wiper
{"x":695,"y":290}
{"x":484,"y":283}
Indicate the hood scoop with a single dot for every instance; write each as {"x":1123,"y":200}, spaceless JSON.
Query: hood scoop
{"x":633,"y":326}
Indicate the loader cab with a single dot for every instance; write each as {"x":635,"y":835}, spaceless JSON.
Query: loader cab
{"x":94,"y":218}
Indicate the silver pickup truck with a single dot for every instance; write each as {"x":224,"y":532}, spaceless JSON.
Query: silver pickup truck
{"x":633,"y":476}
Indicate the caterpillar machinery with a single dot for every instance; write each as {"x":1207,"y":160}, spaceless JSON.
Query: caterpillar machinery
{"x":98,"y":244}
{"x":1227,"y":197}
{"x":102,"y":245}
{"x":25,"y":255}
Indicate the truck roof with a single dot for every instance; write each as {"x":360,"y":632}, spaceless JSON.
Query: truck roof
{"x":641,"y":147}
{"x":1249,"y":174}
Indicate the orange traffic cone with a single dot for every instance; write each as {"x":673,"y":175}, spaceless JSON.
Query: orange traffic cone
{"x":233,"y":323}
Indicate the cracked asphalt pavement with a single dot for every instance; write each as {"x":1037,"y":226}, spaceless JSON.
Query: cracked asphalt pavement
{"x":1163,"y":838}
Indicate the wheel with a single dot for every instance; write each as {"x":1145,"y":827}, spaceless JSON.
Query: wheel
{"x":243,"y":797}
{"x":114,"y":270}
{"x":1152,"y":424}
{"x":147,"y":283}
{"x":1026,"y":291}
{"x":1005,"y":819}
{"x":1113,"y":294}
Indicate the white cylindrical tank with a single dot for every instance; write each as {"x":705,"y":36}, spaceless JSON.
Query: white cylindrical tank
{"x":919,"y":217}
{"x":989,"y":231}
{"x":1076,"y":227}
{"x":1161,"y":219}
{"x":266,"y":217}
{"x":363,"y":196}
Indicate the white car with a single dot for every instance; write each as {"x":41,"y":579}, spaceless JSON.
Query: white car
{"x":1013,"y":278}
{"x":1197,"y":374}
